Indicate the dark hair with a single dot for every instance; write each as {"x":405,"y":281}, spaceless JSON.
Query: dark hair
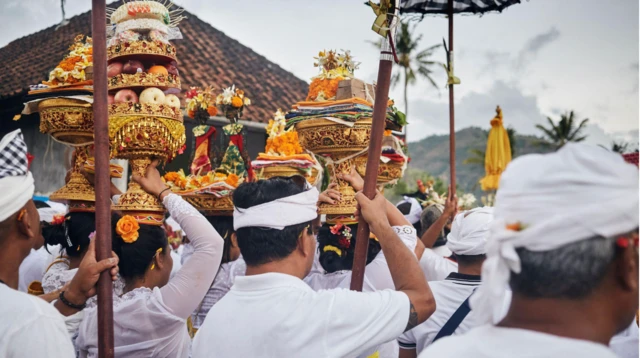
{"x":260,"y":245}
{"x":572,"y":271}
{"x":72,"y":235}
{"x":224,"y":227}
{"x":405,"y":209}
{"x":41,"y":204}
{"x":137,"y":256}
{"x":330,"y":260}
{"x":467,"y":260}
{"x":429,"y":216}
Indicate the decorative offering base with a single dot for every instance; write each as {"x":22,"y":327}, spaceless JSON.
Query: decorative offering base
{"x":387,"y":172}
{"x":144,"y":207}
{"x":284,"y":171}
{"x":67,"y":120}
{"x":210,"y":205}
{"x":78,"y":187}
{"x":347,"y":205}
{"x":322,"y":136}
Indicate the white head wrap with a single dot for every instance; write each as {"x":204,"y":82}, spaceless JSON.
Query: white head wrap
{"x":16,"y":182}
{"x":47,"y":214}
{"x":556,"y":199}
{"x":280,"y":213}
{"x":414,"y":213}
{"x":469,"y":231}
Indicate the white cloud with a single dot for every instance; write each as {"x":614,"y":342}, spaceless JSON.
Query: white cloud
{"x":520,"y":111}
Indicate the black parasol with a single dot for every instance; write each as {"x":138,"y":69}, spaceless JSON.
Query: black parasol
{"x":450,"y":7}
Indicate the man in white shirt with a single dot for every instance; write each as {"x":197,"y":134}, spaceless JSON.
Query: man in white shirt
{"x":453,"y":316}
{"x":30,"y":327}
{"x":271,"y":312}
{"x":564,"y":238}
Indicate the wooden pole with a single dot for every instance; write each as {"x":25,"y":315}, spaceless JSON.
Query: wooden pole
{"x":373,"y":159}
{"x":103,"y":180}
{"x":452,"y":129}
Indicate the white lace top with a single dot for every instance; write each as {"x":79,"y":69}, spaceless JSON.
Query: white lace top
{"x":57,"y":275}
{"x":153,"y":322}
{"x":221,"y":285}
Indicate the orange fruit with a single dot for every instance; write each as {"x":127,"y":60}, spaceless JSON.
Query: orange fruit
{"x":157,"y":69}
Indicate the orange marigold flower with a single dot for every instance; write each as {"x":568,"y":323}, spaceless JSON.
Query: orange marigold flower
{"x":232,"y":180}
{"x":212,"y":110}
{"x":191,"y":113}
{"x":236,"y":102}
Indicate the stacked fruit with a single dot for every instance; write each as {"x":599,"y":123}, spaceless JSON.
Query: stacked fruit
{"x":145,"y":120}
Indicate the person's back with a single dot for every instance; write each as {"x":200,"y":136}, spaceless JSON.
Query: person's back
{"x":26,"y":321}
{"x":287,"y":318}
{"x":564,"y":239}
{"x":271,"y":312}
{"x":499,"y":342}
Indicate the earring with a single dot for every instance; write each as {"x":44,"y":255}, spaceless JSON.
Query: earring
{"x":153,"y":265}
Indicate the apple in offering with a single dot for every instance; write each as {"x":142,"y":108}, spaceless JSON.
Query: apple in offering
{"x":126,"y":95}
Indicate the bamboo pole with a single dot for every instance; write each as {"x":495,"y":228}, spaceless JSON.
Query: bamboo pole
{"x":102,"y":182}
{"x":373,"y":159}
{"x":452,"y":129}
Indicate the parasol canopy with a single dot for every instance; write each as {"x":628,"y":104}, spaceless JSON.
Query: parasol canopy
{"x":459,"y":6}
{"x":449,"y":8}
{"x":498,"y":153}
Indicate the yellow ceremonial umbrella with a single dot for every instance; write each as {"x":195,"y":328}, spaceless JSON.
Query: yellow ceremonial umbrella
{"x":498,"y":153}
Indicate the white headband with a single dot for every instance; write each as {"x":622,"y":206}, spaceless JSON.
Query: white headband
{"x":280,"y":213}
{"x":469,"y":231}
{"x":548,"y":201}
{"x":16,"y":181}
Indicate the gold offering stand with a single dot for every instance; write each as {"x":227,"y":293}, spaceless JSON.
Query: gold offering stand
{"x":341,"y":145}
{"x":70,"y":121}
{"x":143,"y":132}
{"x":345,"y":147}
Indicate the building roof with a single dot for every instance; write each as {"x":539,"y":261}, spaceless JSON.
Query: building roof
{"x":206,"y":56}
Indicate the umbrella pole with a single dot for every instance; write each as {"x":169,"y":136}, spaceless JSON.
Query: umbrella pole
{"x":452,"y":130}
{"x":373,"y":159}
{"x":102,"y":182}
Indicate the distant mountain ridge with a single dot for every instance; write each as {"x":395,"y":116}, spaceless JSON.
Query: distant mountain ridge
{"x":431,"y":155}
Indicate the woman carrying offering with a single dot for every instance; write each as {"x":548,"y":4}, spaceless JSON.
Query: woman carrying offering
{"x":150,"y":318}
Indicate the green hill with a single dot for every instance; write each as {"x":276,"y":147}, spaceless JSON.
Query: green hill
{"x":431,"y":155}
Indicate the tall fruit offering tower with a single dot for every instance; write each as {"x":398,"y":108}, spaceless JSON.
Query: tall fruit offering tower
{"x":145,"y":120}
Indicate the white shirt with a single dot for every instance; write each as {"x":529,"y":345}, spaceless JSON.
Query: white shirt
{"x":449,"y":295}
{"x":32,"y":268}
{"x":278,"y":315}
{"x":436,"y":267}
{"x":625,"y":343}
{"x":376,"y":277}
{"x":153,"y":322}
{"x":497,"y":342}
{"x":30,"y":327}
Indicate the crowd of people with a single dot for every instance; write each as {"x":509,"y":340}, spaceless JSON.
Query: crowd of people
{"x":550,"y":271}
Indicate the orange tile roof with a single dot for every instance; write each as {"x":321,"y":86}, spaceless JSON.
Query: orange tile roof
{"x":206,"y":56}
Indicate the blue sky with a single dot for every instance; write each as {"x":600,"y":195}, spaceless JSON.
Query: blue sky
{"x":538,"y":58}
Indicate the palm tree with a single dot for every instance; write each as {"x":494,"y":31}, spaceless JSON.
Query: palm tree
{"x":476,"y":157}
{"x":565,"y":131}
{"x":413,"y":63}
{"x":620,"y":147}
